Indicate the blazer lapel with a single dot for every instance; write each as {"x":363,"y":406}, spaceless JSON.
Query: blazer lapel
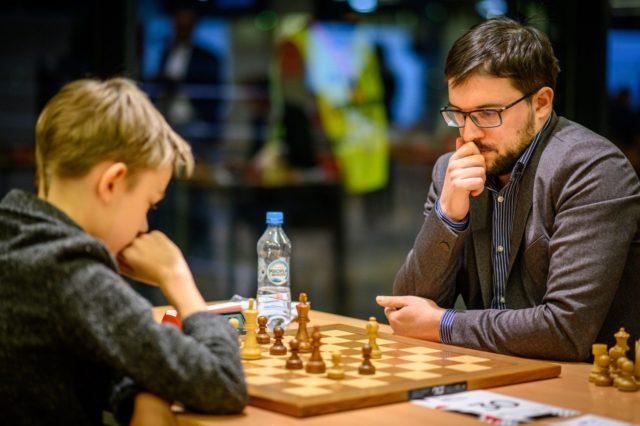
{"x":480,"y":211}
{"x":525,"y":194}
{"x":523,"y":210}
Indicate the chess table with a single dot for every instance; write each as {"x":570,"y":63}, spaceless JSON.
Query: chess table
{"x":569,"y":390}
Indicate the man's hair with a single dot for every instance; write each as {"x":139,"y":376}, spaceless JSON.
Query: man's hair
{"x":90,"y":121}
{"x":502,"y":47}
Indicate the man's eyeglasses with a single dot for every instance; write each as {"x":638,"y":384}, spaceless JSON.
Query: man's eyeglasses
{"x":484,"y":118}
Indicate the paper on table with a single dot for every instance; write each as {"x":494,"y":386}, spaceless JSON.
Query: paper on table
{"x":591,"y":420}
{"x":493,"y":407}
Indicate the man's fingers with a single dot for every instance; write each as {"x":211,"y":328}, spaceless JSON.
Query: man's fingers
{"x":389,"y":311}
{"x":392,"y":301}
{"x":478,"y":191}
{"x":475,"y":160}
{"x":466,"y":149}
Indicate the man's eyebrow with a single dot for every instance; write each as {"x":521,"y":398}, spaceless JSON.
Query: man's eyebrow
{"x":485,"y":106}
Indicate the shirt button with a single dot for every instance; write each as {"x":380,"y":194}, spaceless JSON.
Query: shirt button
{"x":502,"y":299}
{"x":500,"y":249}
{"x":500,"y":198}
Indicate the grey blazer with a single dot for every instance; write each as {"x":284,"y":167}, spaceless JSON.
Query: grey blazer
{"x":574,"y":265}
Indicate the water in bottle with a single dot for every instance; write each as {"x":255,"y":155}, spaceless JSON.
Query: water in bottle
{"x":274,"y":277}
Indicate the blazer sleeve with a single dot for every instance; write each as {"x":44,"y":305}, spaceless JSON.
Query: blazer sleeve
{"x":433,"y":262}
{"x":591,"y":211}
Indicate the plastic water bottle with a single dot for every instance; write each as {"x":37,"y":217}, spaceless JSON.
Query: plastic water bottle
{"x":274,"y":273}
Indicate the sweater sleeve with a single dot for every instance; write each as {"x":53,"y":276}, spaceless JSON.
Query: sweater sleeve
{"x":104,"y":318}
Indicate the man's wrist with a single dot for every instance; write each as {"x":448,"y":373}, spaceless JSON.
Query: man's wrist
{"x":446,"y":326}
{"x":455,"y":225}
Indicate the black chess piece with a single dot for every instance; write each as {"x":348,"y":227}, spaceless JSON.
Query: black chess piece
{"x":315,"y":364}
{"x":262,"y":336}
{"x":278,"y":347}
{"x":294,"y":362}
{"x":366,"y":367}
{"x":303,"y":318}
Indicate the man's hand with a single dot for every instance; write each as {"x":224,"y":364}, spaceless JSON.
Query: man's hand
{"x":412,"y":316}
{"x":466,"y":175}
{"x":151,"y":410}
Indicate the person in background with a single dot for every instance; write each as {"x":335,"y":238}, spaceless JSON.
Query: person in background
{"x":533,"y":220}
{"x":76,"y":338}
{"x":191,"y":75}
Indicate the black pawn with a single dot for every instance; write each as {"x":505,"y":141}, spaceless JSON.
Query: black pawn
{"x":262,"y":336}
{"x":315,"y":364}
{"x":278,"y":348}
{"x":366,"y":367}
{"x":294,"y":362}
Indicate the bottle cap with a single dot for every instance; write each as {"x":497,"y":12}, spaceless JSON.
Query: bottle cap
{"x":274,"y":218}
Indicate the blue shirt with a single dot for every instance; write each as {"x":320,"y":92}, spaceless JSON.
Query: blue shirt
{"x":504,"y":209}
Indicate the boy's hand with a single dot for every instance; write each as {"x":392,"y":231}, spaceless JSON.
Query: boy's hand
{"x":154,"y":259}
{"x":151,"y":258}
{"x":466,"y":175}
{"x":151,"y":410}
{"x":412,"y":316}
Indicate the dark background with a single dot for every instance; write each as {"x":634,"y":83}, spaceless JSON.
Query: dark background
{"x":347,"y":246}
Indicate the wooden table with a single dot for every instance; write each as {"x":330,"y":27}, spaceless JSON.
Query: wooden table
{"x":570,"y":390}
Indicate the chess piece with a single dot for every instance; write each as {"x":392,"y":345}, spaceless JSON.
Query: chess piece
{"x":626,"y":382}
{"x":278,"y":347}
{"x":315,"y":364}
{"x":250,"y":348}
{"x":597,"y":349}
{"x":294,"y":362}
{"x":366,"y":367}
{"x":372,"y":332}
{"x":235,"y":323}
{"x":618,"y":351}
{"x":619,"y":362}
{"x":262,"y":336}
{"x":336,"y":372}
{"x":303,"y":318}
{"x":603,"y":379}
{"x":638,"y":360}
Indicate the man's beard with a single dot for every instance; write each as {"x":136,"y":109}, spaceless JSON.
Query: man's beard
{"x":504,"y":164}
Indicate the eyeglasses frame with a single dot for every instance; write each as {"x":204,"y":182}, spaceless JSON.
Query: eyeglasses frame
{"x":499,"y":111}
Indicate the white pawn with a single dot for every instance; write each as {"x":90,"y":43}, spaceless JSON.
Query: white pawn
{"x":336,"y":372}
{"x":235,"y":323}
{"x":372,"y":332}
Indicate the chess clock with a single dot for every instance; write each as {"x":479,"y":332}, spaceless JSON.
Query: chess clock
{"x":227,"y":310}
{"x":238,"y":315}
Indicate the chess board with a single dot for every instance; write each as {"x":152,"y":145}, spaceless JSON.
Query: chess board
{"x":409,"y":369}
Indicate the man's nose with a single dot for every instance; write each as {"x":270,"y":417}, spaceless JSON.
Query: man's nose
{"x":470,"y":131}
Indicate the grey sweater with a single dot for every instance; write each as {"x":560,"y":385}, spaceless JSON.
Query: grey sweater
{"x":74,"y":334}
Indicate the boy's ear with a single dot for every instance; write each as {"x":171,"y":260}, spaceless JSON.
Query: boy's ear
{"x":112,"y":181}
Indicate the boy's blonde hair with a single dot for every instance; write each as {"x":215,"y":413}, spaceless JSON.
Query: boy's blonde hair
{"x":90,"y":121}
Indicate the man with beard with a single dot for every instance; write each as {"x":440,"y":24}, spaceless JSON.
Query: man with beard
{"x":533,"y":220}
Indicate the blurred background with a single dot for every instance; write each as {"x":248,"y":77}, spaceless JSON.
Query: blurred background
{"x":324,"y":109}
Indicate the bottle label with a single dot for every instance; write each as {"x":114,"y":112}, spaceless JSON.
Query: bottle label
{"x":278,"y":272}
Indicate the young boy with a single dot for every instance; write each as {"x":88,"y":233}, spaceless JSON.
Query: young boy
{"x":75,"y":336}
